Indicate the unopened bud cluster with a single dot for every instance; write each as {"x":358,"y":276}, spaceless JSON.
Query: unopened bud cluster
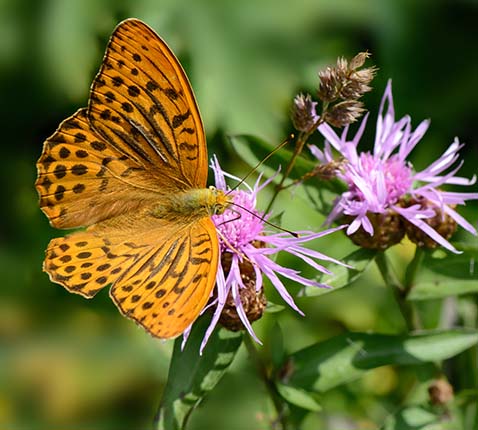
{"x":340,"y":87}
{"x":346,"y":81}
{"x":343,"y":113}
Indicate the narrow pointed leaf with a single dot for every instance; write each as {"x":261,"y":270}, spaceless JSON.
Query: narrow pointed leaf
{"x":341,"y":277}
{"x":446,"y":274}
{"x":344,"y":358}
{"x":298,"y":397}
{"x":192,"y":376}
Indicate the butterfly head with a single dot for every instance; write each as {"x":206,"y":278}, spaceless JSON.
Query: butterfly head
{"x":218,"y":201}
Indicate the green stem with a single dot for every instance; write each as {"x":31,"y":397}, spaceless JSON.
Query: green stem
{"x":299,"y":146}
{"x":279,"y":405}
{"x":412,"y":269}
{"x":400,"y":291}
{"x":280,"y":186}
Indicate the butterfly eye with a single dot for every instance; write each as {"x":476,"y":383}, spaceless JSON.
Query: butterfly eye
{"x":218,"y":201}
{"x":219,"y":209}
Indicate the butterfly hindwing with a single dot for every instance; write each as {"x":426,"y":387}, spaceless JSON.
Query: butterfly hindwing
{"x":167,"y":288}
{"x":161,"y":277}
{"x":84,"y":262}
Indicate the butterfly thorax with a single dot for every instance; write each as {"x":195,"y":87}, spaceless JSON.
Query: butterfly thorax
{"x":192,"y":204}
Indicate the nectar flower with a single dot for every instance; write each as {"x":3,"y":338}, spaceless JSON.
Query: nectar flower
{"x":247,"y":253}
{"x":383,"y":186}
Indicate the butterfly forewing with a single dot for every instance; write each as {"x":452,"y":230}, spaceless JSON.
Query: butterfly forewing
{"x":142,"y":102}
{"x":82,"y":179}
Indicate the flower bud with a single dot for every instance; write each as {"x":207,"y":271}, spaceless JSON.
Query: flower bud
{"x":303,"y":114}
{"x":440,"y":392}
{"x":345,"y":81}
{"x":324,"y":171}
{"x":358,"y":60}
{"x":329,"y":85}
{"x":344,"y":113}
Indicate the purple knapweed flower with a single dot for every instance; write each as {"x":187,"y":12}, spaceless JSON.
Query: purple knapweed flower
{"x":384,"y":182}
{"x":243,"y":239}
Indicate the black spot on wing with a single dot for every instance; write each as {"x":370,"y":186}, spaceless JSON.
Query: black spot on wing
{"x":180,"y":118}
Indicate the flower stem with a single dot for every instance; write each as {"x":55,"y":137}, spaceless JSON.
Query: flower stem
{"x":412,"y":269}
{"x":400,"y":291}
{"x":279,"y":404}
{"x":299,"y":146}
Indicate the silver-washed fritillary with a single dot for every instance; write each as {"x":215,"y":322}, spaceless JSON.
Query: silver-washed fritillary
{"x":132,"y":169}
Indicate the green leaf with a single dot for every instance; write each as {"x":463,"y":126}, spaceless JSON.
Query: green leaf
{"x":298,"y":397}
{"x":344,"y":358}
{"x":341,"y":277}
{"x":273,"y":308}
{"x":420,"y":418}
{"x":276,"y":341}
{"x":192,"y":376}
{"x":445,"y":274}
{"x":253,"y":150}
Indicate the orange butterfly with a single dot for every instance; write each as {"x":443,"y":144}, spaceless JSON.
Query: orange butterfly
{"x":132,"y":168}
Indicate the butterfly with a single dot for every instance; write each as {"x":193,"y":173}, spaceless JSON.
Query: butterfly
{"x":132,"y":169}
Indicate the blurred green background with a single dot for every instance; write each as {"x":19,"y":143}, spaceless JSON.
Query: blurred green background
{"x":66,"y":362}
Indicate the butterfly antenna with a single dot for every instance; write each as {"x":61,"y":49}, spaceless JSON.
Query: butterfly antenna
{"x":281,"y":145}
{"x":292,"y":233}
{"x":233,"y":248}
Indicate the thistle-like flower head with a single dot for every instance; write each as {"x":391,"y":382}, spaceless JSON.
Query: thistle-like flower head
{"x":247,"y":252}
{"x":384,"y":185}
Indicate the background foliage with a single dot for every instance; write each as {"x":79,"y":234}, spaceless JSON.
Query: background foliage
{"x":66,"y":362}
